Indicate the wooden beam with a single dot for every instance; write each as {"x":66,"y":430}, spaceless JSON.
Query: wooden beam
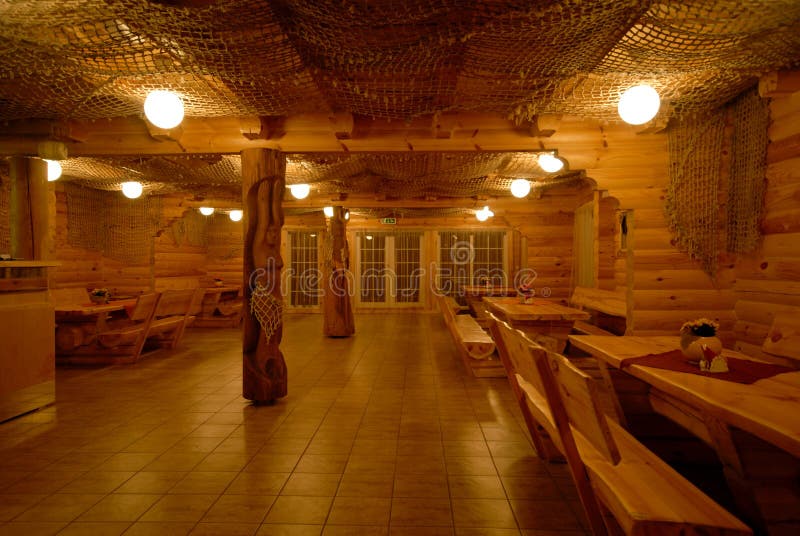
{"x":31,"y":234}
{"x":779,"y":83}
{"x":338,"y":310}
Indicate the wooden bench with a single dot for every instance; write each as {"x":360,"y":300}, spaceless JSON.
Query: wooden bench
{"x":608,"y":309}
{"x":637,"y":491}
{"x":122,"y":340}
{"x":475,"y":346}
{"x":169,"y":319}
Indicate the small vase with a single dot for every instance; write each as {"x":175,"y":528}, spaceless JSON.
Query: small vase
{"x":692,"y":346}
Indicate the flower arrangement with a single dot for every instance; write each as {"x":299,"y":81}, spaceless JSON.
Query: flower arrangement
{"x":99,"y":295}
{"x":702,"y":327}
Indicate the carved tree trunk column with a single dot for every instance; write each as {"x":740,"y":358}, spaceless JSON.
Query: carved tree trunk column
{"x":31,"y":232}
{"x":339,"y":320}
{"x":263,"y":184}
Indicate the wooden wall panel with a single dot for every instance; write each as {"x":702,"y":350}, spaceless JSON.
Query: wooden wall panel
{"x":768,"y":281}
{"x":5,"y":227}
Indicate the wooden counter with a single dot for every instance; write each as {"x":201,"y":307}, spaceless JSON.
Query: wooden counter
{"x":27,"y":357}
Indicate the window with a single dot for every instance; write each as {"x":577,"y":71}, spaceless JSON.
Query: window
{"x":471,"y":258}
{"x":389,"y":269}
{"x":303,"y":274}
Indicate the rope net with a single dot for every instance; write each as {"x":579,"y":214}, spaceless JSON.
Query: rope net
{"x":91,"y":59}
{"x":120,"y":228}
{"x":267,"y":309}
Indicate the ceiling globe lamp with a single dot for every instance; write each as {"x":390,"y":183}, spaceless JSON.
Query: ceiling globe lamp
{"x":164,"y":109}
{"x":132,"y":189}
{"x":53,"y":170}
{"x":206,"y":211}
{"x":328,"y":211}
{"x":550,"y":163}
{"x":235,"y":215}
{"x":520,"y":188}
{"x":300,"y":191}
{"x":484,"y":214}
{"x":639,"y":104}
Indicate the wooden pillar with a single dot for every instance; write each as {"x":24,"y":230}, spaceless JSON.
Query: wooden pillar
{"x":31,"y":233}
{"x":263,"y":184}
{"x":338,"y":311}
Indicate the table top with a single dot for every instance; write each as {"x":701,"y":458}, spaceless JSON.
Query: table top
{"x":483,"y":290}
{"x":220,"y":290}
{"x":513,"y":310}
{"x":78,"y":309}
{"x":766,"y":408}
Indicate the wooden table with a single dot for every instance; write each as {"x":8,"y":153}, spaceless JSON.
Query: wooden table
{"x":717,"y":411}
{"x":547,"y":322}
{"x":474,"y":295}
{"x":79,"y":324}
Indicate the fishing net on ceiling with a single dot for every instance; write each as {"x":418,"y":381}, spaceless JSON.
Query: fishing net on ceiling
{"x":90,"y":59}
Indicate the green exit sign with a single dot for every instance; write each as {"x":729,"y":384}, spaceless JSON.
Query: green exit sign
{"x":388,"y":221}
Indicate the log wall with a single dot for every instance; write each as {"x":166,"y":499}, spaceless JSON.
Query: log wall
{"x":5,"y":225}
{"x":767,"y":282}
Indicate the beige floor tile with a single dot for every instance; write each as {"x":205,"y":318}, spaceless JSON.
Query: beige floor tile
{"x":483,"y":513}
{"x":476,"y":487}
{"x":366,"y":485}
{"x":239,"y":509}
{"x":31,"y":528}
{"x":224,"y":529}
{"x":159,"y":529}
{"x":97,"y":482}
{"x":421,"y":512}
{"x":355,"y":530}
{"x":486,"y":531}
{"x":223,"y":461}
{"x":12,"y":505}
{"x":120,"y":507}
{"x":176,"y":461}
{"x":299,"y":510}
{"x":360,"y":511}
{"x":547,"y":515}
{"x":411,"y":447}
{"x":185,"y":508}
{"x":257,"y":483}
{"x":151,"y":482}
{"x":370,"y":464}
{"x":420,"y":464}
{"x":59,"y":507}
{"x":531,"y":487}
{"x":396,"y":530}
{"x":375,"y":447}
{"x":289,"y":530}
{"x":43,"y":482}
{"x":266,"y":462}
{"x":95,"y":529}
{"x":290,"y":445}
{"x":521,"y":466}
{"x":127,"y":461}
{"x":421,"y":486}
{"x":208,"y":482}
{"x":330,"y":446}
{"x":465,"y":448}
{"x":470,"y":465}
{"x":319,"y":484}
{"x":321,"y":463}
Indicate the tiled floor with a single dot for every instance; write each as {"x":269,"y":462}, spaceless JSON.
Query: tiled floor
{"x":382,"y":433}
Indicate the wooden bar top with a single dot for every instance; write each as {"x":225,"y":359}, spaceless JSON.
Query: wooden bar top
{"x":513,"y":310}
{"x":483,"y":290}
{"x":766,"y":408}
{"x":93,"y":309}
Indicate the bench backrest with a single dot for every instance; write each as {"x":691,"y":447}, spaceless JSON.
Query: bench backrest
{"x":576,"y":392}
{"x":174,"y":303}
{"x":143,"y":309}
{"x":605,"y":301}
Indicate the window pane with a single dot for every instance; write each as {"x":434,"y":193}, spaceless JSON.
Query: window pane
{"x":303,"y":269}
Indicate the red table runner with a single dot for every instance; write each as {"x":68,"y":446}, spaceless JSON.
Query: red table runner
{"x":740,"y":370}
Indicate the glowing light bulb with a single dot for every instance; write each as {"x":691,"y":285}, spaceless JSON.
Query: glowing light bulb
{"x":520,"y":187}
{"x":639,"y":104}
{"x":368,"y":237}
{"x":235,"y":215}
{"x":300,"y":191}
{"x":328,"y":211}
{"x":346,"y":214}
{"x":206,"y":211}
{"x":164,"y":109}
{"x":484,"y":214}
{"x":550,"y":163}
{"x":53,"y":170}
{"x":132,"y":189}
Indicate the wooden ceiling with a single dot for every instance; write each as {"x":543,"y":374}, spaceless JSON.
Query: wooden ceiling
{"x":376,"y":76}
